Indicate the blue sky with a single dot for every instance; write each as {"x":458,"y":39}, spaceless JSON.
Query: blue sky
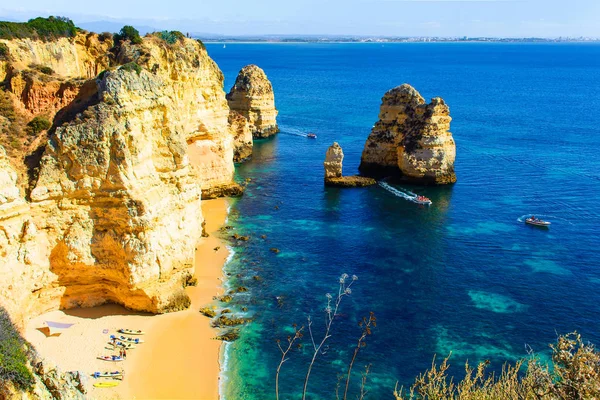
{"x":510,"y":18}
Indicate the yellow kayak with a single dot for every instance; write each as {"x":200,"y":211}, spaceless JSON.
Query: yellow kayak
{"x":106,"y":384}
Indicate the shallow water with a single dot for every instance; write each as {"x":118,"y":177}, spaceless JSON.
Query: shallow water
{"x":464,"y":275}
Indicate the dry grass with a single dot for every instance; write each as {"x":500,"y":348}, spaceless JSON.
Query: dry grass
{"x":574,"y":374}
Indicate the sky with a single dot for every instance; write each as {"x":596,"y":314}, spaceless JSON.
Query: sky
{"x":497,"y":18}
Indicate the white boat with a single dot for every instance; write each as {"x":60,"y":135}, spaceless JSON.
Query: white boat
{"x":537,"y":222}
{"x":423,"y":200}
{"x":311,"y":136}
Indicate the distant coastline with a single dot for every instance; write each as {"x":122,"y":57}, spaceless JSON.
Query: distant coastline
{"x":383,"y":40}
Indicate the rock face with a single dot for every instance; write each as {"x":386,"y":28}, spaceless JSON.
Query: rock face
{"x":333,"y":170}
{"x":242,"y":137}
{"x":252,"y":96}
{"x":113,"y":213}
{"x":411,"y":140}
{"x":71,"y":62}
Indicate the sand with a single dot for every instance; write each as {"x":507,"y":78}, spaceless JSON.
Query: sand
{"x":180,"y":357}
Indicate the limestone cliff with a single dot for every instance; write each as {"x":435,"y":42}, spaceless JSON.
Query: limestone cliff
{"x":46,"y":76}
{"x":411,"y":140}
{"x":333,"y":170}
{"x":113,"y":211}
{"x":252,"y":96}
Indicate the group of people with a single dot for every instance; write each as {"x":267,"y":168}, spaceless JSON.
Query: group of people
{"x":122,"y":352}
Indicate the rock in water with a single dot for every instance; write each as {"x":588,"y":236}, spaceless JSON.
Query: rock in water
{"x":333,"y":170}
{"x":252,"y":96}
{"x":411,"y":140}
{"x":333,"y":161}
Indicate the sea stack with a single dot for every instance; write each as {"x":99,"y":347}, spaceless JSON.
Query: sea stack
{"x":333,"y":170}
{"x":411,"y":140}
{"x":252,"y":96}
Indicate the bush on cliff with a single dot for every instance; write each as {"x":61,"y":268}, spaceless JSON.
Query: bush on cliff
{"x":13,"y":356}
{"x":130,"y":67}
{"x":3,"y":52}
{"x":38,"y":124}
{"x":171,"y":37}
{"x":38,"y":28}
{"x":127,"y":32}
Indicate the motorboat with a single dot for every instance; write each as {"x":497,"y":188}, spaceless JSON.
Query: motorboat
{"x":311,"y":136}
{"x":537,"y":222}
{"x":423,"y":200}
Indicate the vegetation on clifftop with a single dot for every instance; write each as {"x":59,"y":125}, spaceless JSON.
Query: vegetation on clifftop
{"x":38,"y":28}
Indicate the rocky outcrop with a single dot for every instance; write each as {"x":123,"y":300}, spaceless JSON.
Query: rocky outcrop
{"x":333,"y":170}
{"x":242,"y":137}
{"x":252,"y":96}
{"x":46,"y":76}
{"x":411,"y":140}
{"x":113,"y":212}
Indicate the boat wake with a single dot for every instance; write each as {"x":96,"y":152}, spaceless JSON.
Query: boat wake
{"x":293,"y":132}
{"x":403,"y":193}
{"x":545,"y":217}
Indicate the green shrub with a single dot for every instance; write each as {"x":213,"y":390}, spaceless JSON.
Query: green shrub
{"x":3,"y":51}
{"x":130,"y":67}
{"x":37,"y":125}
{"x":46,"y":70}
{"x":127,"y":32}
{"x":101,"y":74}
{"x":13,"y":356}
{"x":201,"y":43}
{"x":171,"y":37}
{"x":104,"y":36}
{"x":38,"y":28}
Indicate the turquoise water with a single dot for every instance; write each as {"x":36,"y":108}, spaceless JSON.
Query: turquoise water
{"x":464,"y":275}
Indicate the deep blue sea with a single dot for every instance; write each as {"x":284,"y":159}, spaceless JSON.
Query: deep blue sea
{"x":462,"y":276}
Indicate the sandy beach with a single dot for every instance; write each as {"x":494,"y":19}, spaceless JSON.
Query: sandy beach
{"x":180,"y":357}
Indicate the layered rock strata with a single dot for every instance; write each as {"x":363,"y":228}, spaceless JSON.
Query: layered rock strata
{"x":252,"y":96}
{"x":411,"y":140}
{"x":333,"y":170}
{"x":113,"y":213}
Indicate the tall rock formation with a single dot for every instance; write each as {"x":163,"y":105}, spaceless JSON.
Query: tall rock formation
{"x":411,"y":140}
{"x":333,"y":162}
{"x":252,"y":96}
{"x":112,"y":213}
{"x":333,"y":170}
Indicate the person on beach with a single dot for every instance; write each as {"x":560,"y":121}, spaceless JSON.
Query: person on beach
{"x":121,"y":353}
{"x":124,"y":354}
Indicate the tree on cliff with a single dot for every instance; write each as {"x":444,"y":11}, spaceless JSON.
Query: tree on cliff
{"x":128,"y":32}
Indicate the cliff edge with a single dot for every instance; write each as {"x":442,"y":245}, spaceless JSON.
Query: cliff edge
{"x":108,"y":210}
{"x":411,"y":140}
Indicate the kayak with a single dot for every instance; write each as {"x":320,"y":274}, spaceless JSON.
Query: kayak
{"x":128,"y":339}
{"x":131,"y":331}
{"x":111,"y":358}
{"x":123,"y":345}
{"x":106,"y":384}
{"x":537,"y":222}
{"x":107,"y":374}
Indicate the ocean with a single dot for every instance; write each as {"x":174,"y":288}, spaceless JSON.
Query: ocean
{"x":465,"y":275}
